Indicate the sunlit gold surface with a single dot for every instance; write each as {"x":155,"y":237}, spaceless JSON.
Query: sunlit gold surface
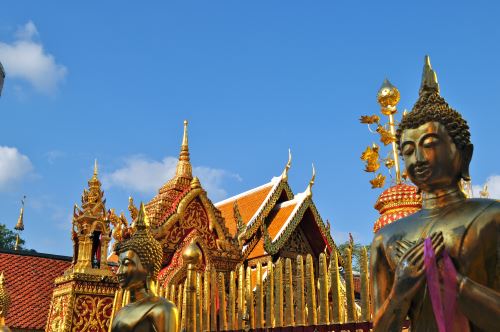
{"x":140,"y":259}
{"x":467,"y":229}
{"x":4,"y":304}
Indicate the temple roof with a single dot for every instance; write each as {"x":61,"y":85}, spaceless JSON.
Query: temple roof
{"x":29,"y":279}
{"x":248,"y":202}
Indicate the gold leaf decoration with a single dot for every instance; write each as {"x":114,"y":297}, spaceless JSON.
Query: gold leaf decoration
{"x":378,"y":181}
{"x":385,"y":136}
{"x":389,"y":163}
{"x":369,"y":119}
{"x":371,"y":156}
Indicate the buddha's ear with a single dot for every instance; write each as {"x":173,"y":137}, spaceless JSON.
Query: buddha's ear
{"x":466,"y":158}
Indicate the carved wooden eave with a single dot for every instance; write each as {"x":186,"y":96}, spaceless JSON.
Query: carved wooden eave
{"x":215,"y":222}
{"x":272,"y":244}
{"x":278,"y":186}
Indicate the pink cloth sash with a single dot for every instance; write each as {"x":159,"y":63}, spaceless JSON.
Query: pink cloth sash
{"x":448,"y":317}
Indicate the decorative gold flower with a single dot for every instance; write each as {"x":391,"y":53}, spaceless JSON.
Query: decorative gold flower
{"x":369,"y":119}
{"x":385,"y":136}
{"x":378,"y":181}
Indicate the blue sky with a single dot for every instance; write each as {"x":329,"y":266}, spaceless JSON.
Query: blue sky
{"x":114,"y":81}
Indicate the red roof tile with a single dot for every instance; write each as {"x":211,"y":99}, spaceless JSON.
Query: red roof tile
{"x":278,"y":218}
{"x":258,"y":250}
{"x":29,"y":279}
{"x":248,"y":204}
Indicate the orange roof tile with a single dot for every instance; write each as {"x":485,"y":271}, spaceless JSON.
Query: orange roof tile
{"x":29,"y":279}
{"x":258,"y":250}
{"x":248,"y":205}
{"x":279,"y":216}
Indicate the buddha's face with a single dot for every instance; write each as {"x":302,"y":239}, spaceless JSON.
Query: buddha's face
{"x":131,"y":273}
{"x":431,"y":157}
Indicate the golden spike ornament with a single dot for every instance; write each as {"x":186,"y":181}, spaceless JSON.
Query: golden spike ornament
{"x":4,"y":303}
{"x":278,"y":293}
{"x":192,"y":257}
{"x":232,"y":301}
{"x":288,"y":293}
{"x":206,"y":298}
{"x":241,"y":296}
{"x":269,"y":318}
{"x":214,"y":297}
{"x":335,"y":287}
{"x":222,"y":302}
{"x":199,"y":302}
{"x":349,"y":287}
{"x":300,"y":313}
{"x":324,"y":310}
{"x":259,"y":312}
{"x":312,"y":317}
{"x":249,"y":314}
{"x":365,"y":287}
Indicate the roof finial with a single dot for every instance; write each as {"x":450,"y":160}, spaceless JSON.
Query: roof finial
{"x":311,"y":182}
{"x":95,"y":167}
{"x":429,"y":79}
{"x":20,"y":221}
{"x":142,"y":221}
{"x":184,"y":168}
{"x":284,"y":175}
{"x":185,"y":136}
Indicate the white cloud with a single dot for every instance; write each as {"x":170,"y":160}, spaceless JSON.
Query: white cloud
{"x":13,"y":166}
{"x":26,"y":59}
{"x":147,"y":176}
{"x":493,"y":183}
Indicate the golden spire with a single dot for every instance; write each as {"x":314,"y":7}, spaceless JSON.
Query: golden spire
{"x":284,"y":175}
{"x":429,"y":79}
{"x":311,"y":182}
{"x":142,"y":221}
{"x":20,"y":220}
{"x":184,"y":168}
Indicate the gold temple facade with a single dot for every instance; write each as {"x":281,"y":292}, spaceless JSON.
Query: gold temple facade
{"x":267,"y":222}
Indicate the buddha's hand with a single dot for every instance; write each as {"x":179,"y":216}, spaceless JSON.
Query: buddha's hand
{"x":410,"y":271}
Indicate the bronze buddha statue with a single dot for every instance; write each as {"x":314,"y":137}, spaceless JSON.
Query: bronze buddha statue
{"x":140,"y":261}
{"x":434,"y":141}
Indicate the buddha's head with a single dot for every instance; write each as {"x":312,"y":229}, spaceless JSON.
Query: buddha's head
{"x":434,"y":139}
{"x":139,"y":256}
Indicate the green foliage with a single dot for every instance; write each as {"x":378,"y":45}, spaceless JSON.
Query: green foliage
{"x":8,"y":239}
{"x":356,"y":253}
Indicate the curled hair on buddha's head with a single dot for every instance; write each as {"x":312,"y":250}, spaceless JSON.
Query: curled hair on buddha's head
{"x":144,"y":245}
{"x":431,"y":107}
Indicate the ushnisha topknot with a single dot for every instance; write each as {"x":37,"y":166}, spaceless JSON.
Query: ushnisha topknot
{"x":430,"y":106}
{"x":143,"y":244}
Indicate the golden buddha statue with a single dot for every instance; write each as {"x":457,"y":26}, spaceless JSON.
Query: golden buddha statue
{"x":434,"y":141}
{"x":140,"y":261}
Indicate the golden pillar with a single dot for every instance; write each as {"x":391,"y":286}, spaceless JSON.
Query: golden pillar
{"x":349,"y":288}
{"x":300,"y":314}
{"x":289,"y":314}
{"x":192,"y":257}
